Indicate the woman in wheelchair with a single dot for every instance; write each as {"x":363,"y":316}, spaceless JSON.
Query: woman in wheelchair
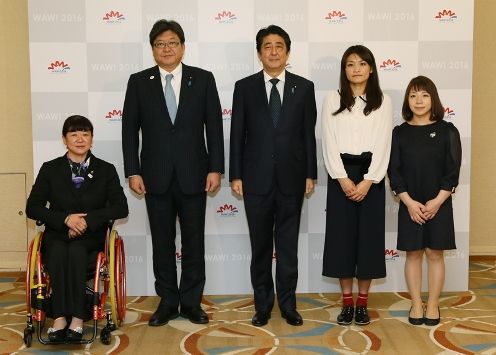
{"x":75,"y":196}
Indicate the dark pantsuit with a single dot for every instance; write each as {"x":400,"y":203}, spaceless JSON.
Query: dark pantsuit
{"x":68,"y":262}
{"x":354,"y":239}
{"x":163,"y":210}
{"x":274,"y":218}
{"x":67,"y":259}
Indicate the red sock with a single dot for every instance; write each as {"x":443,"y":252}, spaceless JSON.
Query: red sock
{"x":347,"y":299}
{"x":362,"y":299}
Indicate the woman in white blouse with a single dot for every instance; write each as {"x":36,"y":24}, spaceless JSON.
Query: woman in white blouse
{"x":356,"y":140}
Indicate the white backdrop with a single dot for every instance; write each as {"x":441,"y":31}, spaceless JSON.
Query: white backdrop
{"x":82,"y":53}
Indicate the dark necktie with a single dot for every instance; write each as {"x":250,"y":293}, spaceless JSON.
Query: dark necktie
{"x":275,"y":102}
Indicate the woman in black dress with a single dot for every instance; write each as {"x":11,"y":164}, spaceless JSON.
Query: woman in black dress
{"x":423,"y":172}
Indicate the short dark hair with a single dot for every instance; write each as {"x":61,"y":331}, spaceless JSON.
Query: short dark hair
{"x":373,"y":90}
{"x":272,"y":30}
{"x":423,"y":83}
{"x":162,"y":26}
{"x":76,"y":123}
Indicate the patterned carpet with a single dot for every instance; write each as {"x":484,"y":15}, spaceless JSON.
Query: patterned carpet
{"x":468,"y":325}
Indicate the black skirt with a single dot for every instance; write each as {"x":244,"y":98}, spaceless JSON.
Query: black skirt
{"x":437,"y":233}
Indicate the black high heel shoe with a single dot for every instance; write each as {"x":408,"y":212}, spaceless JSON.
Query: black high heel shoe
{"x":431,"y":322}
{"x":415,"y":321}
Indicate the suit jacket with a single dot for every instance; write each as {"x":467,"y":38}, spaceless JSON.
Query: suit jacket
{"x":261,"y":154}
{"x":101,"y":197}
{"x":173,"y":148}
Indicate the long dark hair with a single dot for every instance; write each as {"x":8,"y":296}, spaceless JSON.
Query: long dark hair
{"x":373,"y":91}
{"x":420,"y":83}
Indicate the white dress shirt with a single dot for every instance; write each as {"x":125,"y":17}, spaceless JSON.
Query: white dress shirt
{"x":354,"y":133}
{"x":176,"y":80}
{"x":279,"y":85}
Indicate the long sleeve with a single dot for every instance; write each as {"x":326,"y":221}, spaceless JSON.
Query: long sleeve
{"x":213,"y":128}
{"x":237,"y":138}
{"x":453,"y":161}
{"x":330,"y":149}
{"x":381,"y":142}
{"x":394,"y":170}
{"x":309,"y":126}
{"x":116,"y":206}
{"x":36,"y":206}
{"x":130,"y":129}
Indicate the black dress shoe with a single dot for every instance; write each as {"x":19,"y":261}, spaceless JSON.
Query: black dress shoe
{"x":361,"y":315}
{"x":163,"y":315}
{"x":346,"y":315}
{"x":260,"y":318}
{"x":57,"y":336}
{"x":74,"y":335}
{"x":415,"y":321}
{"x":195,"y":315}
{"x":292,"y":317}
{"x":432,"y":322}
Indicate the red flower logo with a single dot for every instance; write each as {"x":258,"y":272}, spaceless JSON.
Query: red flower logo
{"x":58,"y":65}
{"x":227,"y":210}
{"x":390,"y":63}
{"x":449,"y":113}
{"x":225,"y":16}
{"x":113,"y":15}
{"x":114,"y":114}
{"x":446,"y":14}
{"x":333,"y":14}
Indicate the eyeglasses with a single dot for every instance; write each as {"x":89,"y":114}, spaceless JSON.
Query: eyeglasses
{"x":162,"y":45}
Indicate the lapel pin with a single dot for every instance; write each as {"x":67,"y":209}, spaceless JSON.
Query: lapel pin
{"x":90,"y":174}
{"x":152,"y":77}
{"x":293,"y":89}
{"x":189,"y":81}
{"x":433,"y":134}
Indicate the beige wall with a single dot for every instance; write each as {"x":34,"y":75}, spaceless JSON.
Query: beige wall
{"x":15,"y":113}
{"x":483,"y":180}
{"x":16,"y":162}
{"x":15,"y":97}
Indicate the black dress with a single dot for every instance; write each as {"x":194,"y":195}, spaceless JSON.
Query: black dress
{"x":425,"y":160}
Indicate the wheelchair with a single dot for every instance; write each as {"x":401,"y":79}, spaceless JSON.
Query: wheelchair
{"x":106,"y":280}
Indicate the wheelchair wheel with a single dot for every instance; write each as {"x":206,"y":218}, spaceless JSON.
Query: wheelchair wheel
{"x":31,"y":271}
{"x":105,"y":336}
{"x":28,"y":337}
{"x":117,"y":271}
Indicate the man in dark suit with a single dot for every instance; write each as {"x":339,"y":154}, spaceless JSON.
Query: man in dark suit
{"x":175,"y":106}
{"x":272,"y":164}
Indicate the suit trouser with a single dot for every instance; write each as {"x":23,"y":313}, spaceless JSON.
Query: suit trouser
{"x":274,"y":218}
{"x":67,"y":262}
{"x":163,"y":210}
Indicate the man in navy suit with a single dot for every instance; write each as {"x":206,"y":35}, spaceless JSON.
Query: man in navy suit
{"x":272,"y":165}
{"x":175,"y":106}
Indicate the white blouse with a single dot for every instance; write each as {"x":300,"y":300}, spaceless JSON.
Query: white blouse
{"x":354,"y":133}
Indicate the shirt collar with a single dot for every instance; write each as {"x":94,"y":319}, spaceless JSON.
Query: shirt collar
{"x":177,"y":70}
{"x":281,"y":77}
